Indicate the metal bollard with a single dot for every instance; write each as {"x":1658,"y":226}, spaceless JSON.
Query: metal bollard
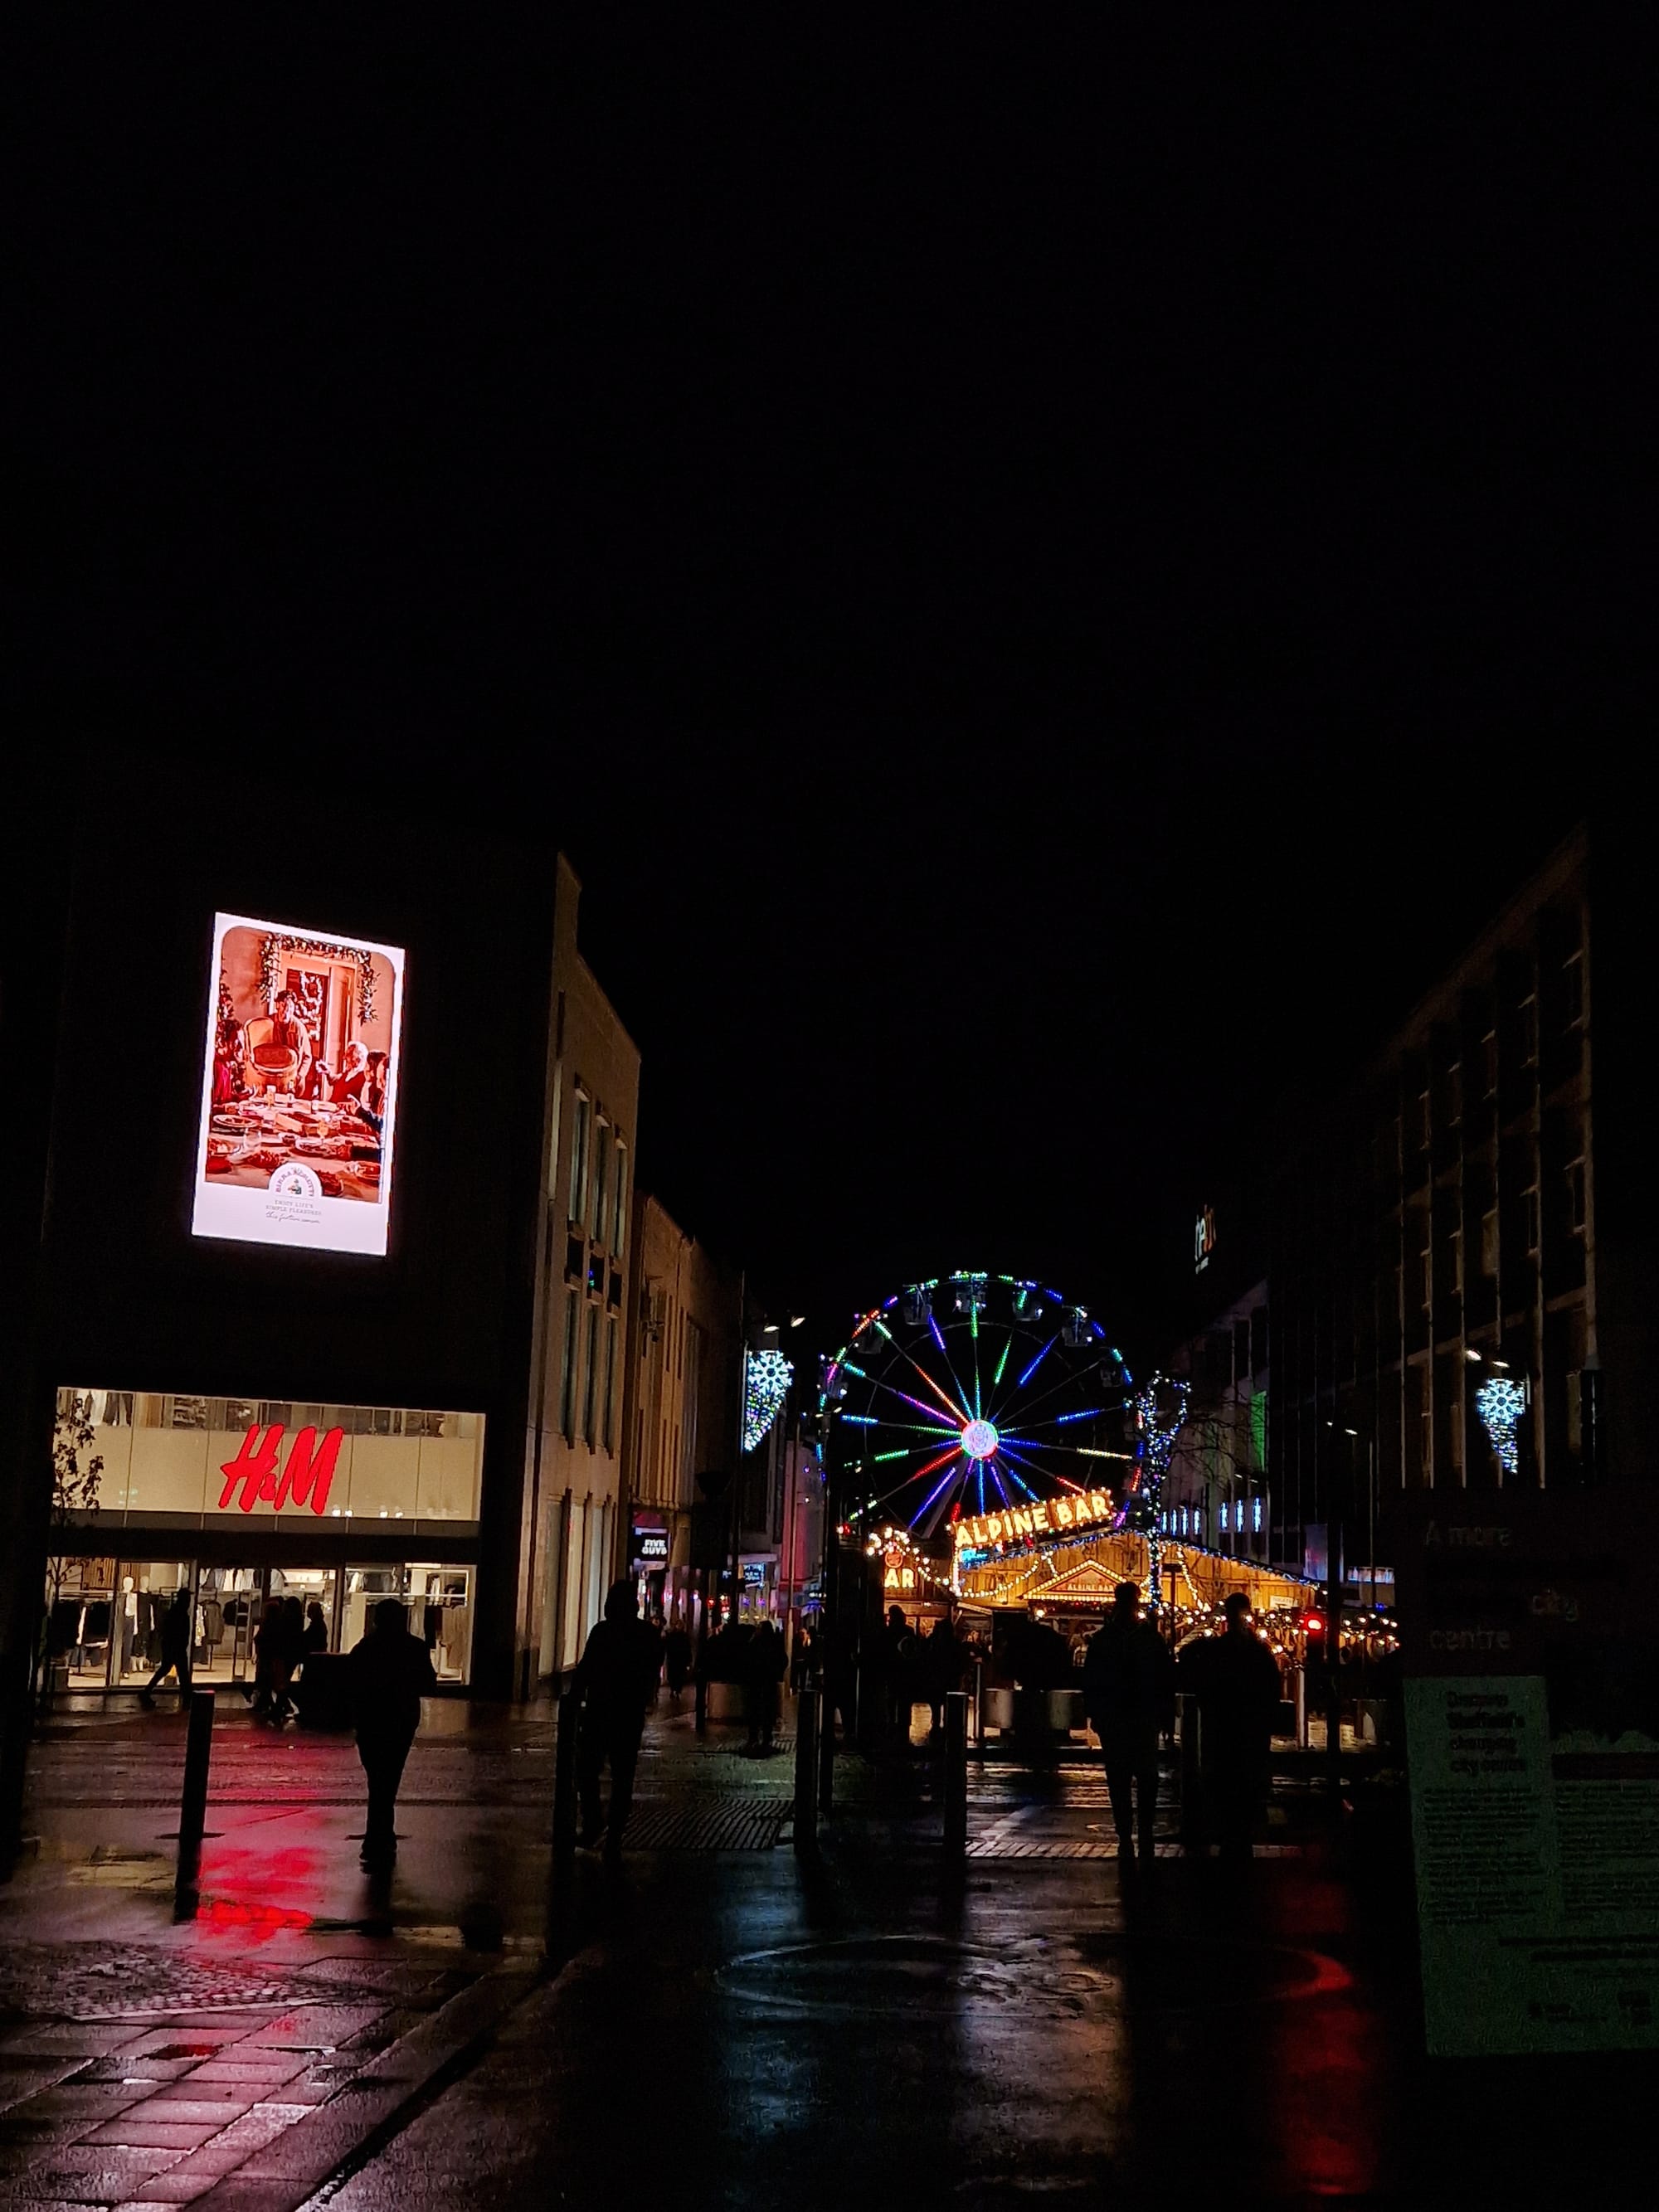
{"x":806,"y":1767}
{"x":564,"y":1781}
{"x":1299,"y":1695}
{"x":979,"y":1707}
{"x":956,"y":1773}
{"x":192,"y":1805}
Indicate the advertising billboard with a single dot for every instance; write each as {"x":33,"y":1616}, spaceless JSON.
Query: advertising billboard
{"x":299,"y":1089}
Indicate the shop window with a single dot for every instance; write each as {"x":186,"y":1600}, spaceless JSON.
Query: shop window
{"x":577,"y":1207}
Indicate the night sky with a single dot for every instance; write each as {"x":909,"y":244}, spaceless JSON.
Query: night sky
{"x":1045,"y":588}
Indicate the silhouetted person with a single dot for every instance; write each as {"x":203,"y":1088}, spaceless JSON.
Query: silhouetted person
{"x":896,"y":1665}
{"x":1128,"y":1693}
{"x":677,"y":1660}
{"x":1236,"y":1680}
{"x":762,"y":1670}
{"x":614,"y":1682}
{"x":316,"y":1635}
{"x":175,"y":1648}
{"x":270,"y":1639}
{"x":390,"y":1671}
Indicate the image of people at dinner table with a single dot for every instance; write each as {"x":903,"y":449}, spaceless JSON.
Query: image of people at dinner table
{"x":301,"y":1062}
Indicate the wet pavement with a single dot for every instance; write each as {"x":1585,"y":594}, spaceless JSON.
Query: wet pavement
{"x":720,"y":2022}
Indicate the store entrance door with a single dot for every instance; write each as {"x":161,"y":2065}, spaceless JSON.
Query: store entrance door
{"x":231,"y":1601}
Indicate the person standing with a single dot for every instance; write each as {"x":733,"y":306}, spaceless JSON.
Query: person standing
{"x":390,"y":1671}
{"x":316,"y":1635}
{"x":1236,"y":1680}
{"x":676,"y":1660}
{"x":613,"y":1684}
{"x":1128,"y":1693}
{"x":175,"y":1648}
{"x":762,"y":1670}
{"x":943,"y":1661}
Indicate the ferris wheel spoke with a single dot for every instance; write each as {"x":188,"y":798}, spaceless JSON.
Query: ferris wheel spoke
{"x":957,"y":1413}
{"x":938,"y":1493}
{"x":1019,"y":1459}
{"x":931,"y":1410}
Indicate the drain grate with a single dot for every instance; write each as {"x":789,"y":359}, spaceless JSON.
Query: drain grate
{"x":740,"y":1826}
{"x":996,"y":1847}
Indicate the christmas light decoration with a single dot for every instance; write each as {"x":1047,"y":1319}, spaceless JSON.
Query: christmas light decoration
{"x":1159,"y":1421}
{"x":766,"y":1379}
{"x":1500,"y":1404}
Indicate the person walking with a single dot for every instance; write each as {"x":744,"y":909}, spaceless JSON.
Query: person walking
{"x":175,"y":1650}
{"x":390,"y":1671}
{"x":316,"y":1635}
{"x":1128,"y":1693}
{"x":1236,"y":1678}
{"x":613,"y":1684}
{"x":943,"y":1659}
{"x":762,"y":1670}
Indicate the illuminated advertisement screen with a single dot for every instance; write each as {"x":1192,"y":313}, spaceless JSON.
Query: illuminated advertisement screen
{"x":298,"y":1088}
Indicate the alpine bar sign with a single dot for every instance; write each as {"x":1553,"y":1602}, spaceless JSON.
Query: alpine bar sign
{"x":1039,"y":1516}
{"x":306,"y":1479}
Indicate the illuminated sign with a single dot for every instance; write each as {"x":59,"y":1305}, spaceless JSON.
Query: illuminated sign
{"x":651,"y":1546}
{"x":306,"y":1479}
{"x":1203,"y":1239}
{"x":1040,"y":1516}
{"x":299,"y":1089}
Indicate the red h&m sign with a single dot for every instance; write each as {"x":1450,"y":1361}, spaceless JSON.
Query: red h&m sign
{"x":309,"y":1473}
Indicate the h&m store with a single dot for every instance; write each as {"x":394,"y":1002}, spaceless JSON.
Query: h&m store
{"x":294,"y":1264}
{"x":243,"y":1503}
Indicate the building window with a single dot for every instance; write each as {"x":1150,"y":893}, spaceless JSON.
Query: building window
{"x":578,"y":1206}
{"x":610,"y":1383}
{"x":568,"y":1387}
{"x":1572,"y":991}
{"x":1489,"y":1063}
{"x":1428,"y":1278}
{"x":1425,"y":1121}
{"x":1456,"y":1244}
{"x":1530,"y":1200}
{"x":619,"y":1201}
{"x":1529,"y":1031}
{"x":1455,"y":1093}
{"x":590,"y":1381}
{"x":1489,"y":1242}
{"x":599,"y":1220}
{"x":1576,"y":1194}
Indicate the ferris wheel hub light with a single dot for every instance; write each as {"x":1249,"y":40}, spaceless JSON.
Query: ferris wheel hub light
{"x":978,"y":1440}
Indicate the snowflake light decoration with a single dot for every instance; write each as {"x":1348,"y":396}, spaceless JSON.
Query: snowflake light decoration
{"x":1500,"y":1404}
{"x":766,"y":1379}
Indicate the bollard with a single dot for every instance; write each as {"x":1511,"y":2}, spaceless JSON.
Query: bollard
{"x":564,"y":1781}
{"x":956,"y":1773}
{"x":979,"y":1707}
{"x":192,"y":1806}
{"x":806,"y":1767}
{"x":1299,"y":1695}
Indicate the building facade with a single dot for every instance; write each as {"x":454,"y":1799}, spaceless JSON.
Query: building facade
{"x":681,"y":1418}
{"x":1462,"y":1286}
{"x":308,"y":1246}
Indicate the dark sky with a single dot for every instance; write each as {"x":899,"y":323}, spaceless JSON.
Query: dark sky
{"x":1044,"y":585}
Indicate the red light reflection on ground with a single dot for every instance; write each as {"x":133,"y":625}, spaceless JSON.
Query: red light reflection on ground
{"x":256,"y":1894}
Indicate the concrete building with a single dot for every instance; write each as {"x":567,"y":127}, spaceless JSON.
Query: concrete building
{"x":1462,"y":1281}
{"x":574,"y":1476}
{"x":681,"y":1415}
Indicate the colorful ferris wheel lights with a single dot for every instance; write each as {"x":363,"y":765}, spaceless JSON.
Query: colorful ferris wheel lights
{"x":978,"y":1440}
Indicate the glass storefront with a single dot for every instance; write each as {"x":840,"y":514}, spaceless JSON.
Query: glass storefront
{"x":195,"y":1479}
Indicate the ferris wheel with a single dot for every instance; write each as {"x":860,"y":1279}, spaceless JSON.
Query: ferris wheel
{"x":969,"y":1393}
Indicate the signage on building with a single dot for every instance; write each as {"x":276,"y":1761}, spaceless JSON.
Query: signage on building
{"x":299,"y":1089}
{"x":306,"y":1479}
{"x":754,"y":1574}
{"x":1203,"y":1239}
{"x":1041,"y":1516}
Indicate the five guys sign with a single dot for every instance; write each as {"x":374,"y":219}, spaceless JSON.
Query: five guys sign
{"x":309,"y":1475}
